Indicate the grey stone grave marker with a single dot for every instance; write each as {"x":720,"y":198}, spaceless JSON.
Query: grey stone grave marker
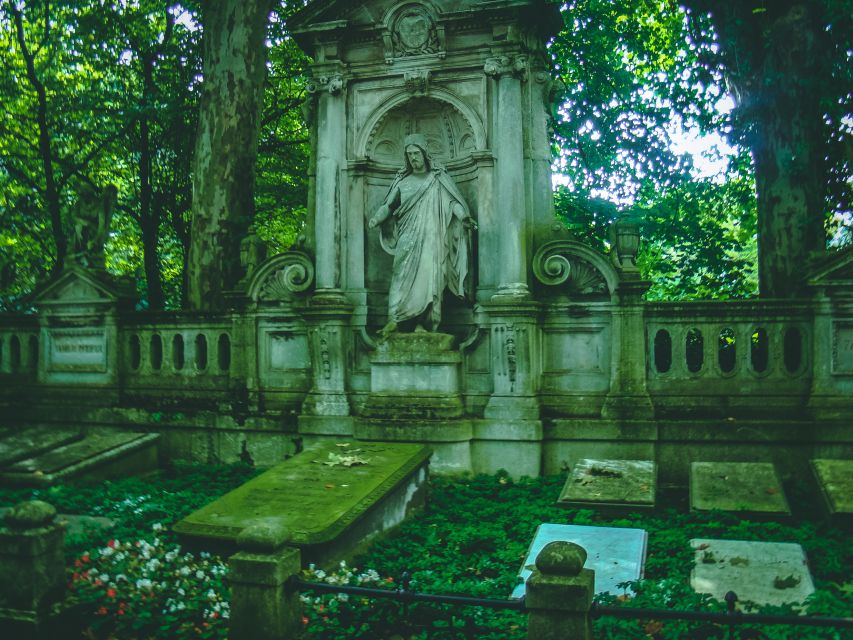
{"x":610,"y":483}
{"x":752,"y":488}
{"x":615,"y":554}
{"x":773,"y":573}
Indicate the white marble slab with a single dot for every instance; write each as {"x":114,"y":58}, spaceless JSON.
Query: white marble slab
{"x":772,"y":573}
{"x":615,"y":554}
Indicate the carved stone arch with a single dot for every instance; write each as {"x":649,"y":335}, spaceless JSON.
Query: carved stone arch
{"x":576,"y":267}
{"x":282,"y":277}
{"x":452,"y":129}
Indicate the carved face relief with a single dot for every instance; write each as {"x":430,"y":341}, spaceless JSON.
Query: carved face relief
{"x":414,"y":33}
{"x":416,"y":158}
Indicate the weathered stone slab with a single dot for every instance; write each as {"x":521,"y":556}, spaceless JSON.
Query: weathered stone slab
{"x":835,"y":480}
{"x":100,"y":454}
{"x":615,"y":554}
{"x":21,"y":444}
{"x":773,"y":573}
{"x":327,"y":505}
{"x":747,"y":487}
{"x":76,"y":525}
{"x":610,"y":483}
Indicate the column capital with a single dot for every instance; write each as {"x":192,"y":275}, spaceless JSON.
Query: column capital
{"x":516,"y":66}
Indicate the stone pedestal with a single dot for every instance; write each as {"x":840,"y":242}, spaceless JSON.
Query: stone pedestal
{"x":32,"y":569}
{"x":414,"y":397}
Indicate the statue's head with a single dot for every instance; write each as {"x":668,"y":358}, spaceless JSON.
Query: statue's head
{"x":415,"y":149}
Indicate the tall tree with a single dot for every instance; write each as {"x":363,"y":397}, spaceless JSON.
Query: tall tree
{"x":235,"y":57}
{"x":779,"y":59}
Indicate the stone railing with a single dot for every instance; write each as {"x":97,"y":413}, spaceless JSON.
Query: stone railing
{"x":19,"y":345}
{"x":734,"y":349}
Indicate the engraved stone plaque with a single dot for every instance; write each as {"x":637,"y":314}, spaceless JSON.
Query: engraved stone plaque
{"x":842,"y":348}
{"x":79,"y":350}
{"x":288,"y":351}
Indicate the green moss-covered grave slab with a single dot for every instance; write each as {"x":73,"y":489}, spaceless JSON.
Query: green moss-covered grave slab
{"x":610,"y":483}
{"x":835,"y":479}
{"x":331,"y":496}
{"x":748,"y":487}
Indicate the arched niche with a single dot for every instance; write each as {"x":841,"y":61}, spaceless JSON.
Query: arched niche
{"x":453,"y":131}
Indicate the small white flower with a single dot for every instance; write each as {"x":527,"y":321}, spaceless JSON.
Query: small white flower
{"x":181,"y":592}
{"x":199,"y":574}
{"x":143,"y":583}
{"x":104,"y":577}
{"x":157,"y":527}
{"x":184,"y":571}
{"x":343,"y":597}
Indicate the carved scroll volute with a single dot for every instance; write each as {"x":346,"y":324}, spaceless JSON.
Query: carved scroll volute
{"x":562,"y":263}
{"x":282,"y":278}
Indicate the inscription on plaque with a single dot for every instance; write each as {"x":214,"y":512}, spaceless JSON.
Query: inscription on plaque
{"x":842,"y":348}
{"x":77,"y":350}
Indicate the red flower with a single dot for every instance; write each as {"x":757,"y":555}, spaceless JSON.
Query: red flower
{"x":120,"y":612}
{"x":101,"y":612}
{"x":98,"y":583}
{"x":111,"y":544}
{"x":75,"y":577}
{"x":111,"y":593}
{"x":214,"y":615}
{"x":78,"y":563}
{"x":85,"y":557}
{"x":304,"y":619}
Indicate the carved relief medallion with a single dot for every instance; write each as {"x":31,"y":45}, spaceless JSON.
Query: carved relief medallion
{"x":414,"y":33}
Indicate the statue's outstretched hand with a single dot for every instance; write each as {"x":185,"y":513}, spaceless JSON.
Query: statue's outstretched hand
{"x":470,"y":223}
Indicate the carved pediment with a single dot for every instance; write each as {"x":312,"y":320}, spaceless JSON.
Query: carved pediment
{"x":282,"y":278}
{"x":834,"y":270}
{"x":79,"y":286}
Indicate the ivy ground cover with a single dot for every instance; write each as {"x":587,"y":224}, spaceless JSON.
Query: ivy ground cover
{"x":135,"y":582}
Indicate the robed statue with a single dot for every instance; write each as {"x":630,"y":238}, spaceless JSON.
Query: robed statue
{"x":89,"y":225}
{"x":426,"y":226}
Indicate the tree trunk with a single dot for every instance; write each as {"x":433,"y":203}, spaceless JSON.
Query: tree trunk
{"x":149,"y":218}
{"x":776,"y":62}
{"x":226,"y":147}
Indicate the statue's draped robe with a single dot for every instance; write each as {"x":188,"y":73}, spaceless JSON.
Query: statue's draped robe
{"x":430,"y":247}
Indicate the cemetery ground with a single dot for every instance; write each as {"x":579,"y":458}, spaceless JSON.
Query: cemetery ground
{"x":131,"y":580}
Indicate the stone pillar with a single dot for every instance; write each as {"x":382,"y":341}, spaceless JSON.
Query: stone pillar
{"x":559,"y":594}
{"x":331,"y":152}
{"x":261,"y":606}
{"x":510,"y":195}
{"x":328,"y":316}
{"x":831,"y":394}
{"x":629,"y":396}
{"x":32,"y":569}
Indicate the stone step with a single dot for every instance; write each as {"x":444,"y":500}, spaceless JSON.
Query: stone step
{"x":100,"y":454}
{"x":752,"y":489}
{"x":20,"y":444}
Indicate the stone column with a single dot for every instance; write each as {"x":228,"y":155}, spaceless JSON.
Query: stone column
{"x":559,"y":594}
{"x":331,"y":153}
{"x":510,"y":198}
{"x":261,"y":606}
{"x":32,"y":568}
{"x":629,"y":396}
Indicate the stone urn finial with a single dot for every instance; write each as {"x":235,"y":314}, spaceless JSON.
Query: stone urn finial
{"x":561,"y":558}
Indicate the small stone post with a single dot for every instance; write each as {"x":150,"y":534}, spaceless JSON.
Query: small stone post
{"x":32,"y":568}
{"x":559,"y":594}
{"x":261,"y":608}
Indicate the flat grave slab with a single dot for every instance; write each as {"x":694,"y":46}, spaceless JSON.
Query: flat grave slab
{"x":752,"y":488}
{"x":20,"y":444}
{"x":615,"y":554}
{"x":327,"y":505}
{"x":610,"y":483}
{"x":106,"y":453}
{"x":835,"y":480}
{"x":773,"y":573}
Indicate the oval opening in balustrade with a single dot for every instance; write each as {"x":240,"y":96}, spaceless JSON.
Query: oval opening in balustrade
{"x":663,"y":351}
{"x":178,"y":351}
{"x":694,"y":350}
{"x":223,"y":352}
{"x":155,"y":352}
{"x":135,"y":352}
{"x":727,"y":351}
{"x":15,"y":353}
{"x":793,"y":355}
{"x":759,"y":351}
{"x":33,"y":353}
{"x":201,"y":352}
